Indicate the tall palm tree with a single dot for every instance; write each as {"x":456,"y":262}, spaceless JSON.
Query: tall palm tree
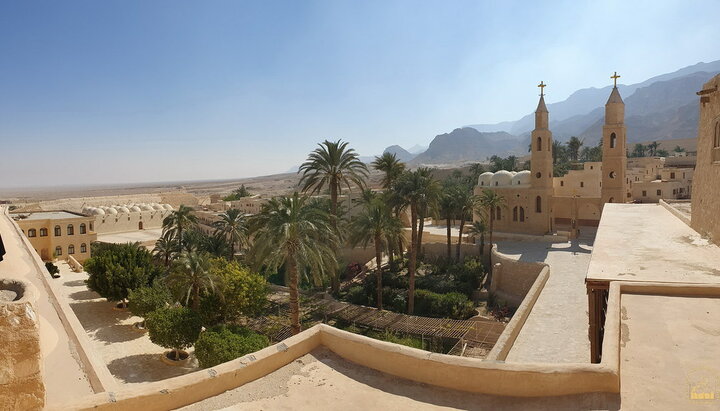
{"x":191,"y":273}
{"x":447,"y":210}
{"x":465,"y":203}
{"x":490,"y":202}
{"x":478,"y":230}
{"x":294,"y":233}
{"x":428,"y":201}
{"x":389,"y":164}
{"x":333,"y":166}
{"x":414,"y":188}
{"x":475,"y":170}
{"x":573,"y":146}
{"x":233,"y":227}
{"x":180,"y":220}
{"x":376,"y":223}
{"x":166,"y":248}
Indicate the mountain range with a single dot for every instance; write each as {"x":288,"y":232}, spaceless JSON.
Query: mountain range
{"x":660,"y":108}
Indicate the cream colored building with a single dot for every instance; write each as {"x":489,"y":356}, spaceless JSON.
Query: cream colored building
{"x":128,"y":217}
{"x":58,"y":234}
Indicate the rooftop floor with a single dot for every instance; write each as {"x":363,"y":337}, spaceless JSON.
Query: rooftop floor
{"x":50,"y":215}
{"x":321,"y":380}
{"x":646,"y":242}
{"x":140,"y":236}
{"x":556,"y":329}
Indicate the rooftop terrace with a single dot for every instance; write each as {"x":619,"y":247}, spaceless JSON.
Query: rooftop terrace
{"x":49,"y":215}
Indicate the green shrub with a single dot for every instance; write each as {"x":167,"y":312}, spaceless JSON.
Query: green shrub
{"x":449,"y":305}
{"x":357,"y":295}
{"x":115,"y":269}
{"x":52,"y":269}
{"x":242,"y":291}
{"x":144,"y":300}
{"x":224,"y":343}
{"x":174,"y":328}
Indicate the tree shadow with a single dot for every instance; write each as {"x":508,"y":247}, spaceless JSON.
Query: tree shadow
{"x":94,"y":315}
{"x":84,"y":295}
{"x":74,"y":283}
{"x":146,"y":368}
{"x":117,"y":333}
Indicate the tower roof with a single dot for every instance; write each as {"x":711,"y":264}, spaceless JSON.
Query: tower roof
{"x":541,"y":108}
{"x":615,"y":97}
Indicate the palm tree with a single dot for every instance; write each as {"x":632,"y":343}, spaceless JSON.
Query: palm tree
{"x":653,"y":148}
{"x":573,"y":146}
{"x":389,"y":164}
{"x":428,"y":201}
{"x":376,"y":223}
{"x":465,"y":203}
{"x":447,"y":210}
{"x":166,"y":247}
{"x":180,"y":220}
{"x":332,"y":165}
{"x":414,"y":188}
{"x":476,"y":169}
{"x":294,"y":233}
{"x":490,"y":202}
{"x":191,"y":273}
{"x":233,"y":227}
{"x":478,"y":230}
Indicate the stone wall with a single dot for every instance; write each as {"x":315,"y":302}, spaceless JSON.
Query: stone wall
{"x":705,"y":192}
{"x":512,"y":279}
{"x":124,"y":222}
{"x":21,"y":383}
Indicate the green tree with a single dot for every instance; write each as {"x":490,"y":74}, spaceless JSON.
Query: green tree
{"x":221,"y":344}
{"x":115,"y":269}
{"x":638,"y":151}
{"x":652,"y":148}
{"x":238,"y":194}
{"x":476,"y":169}
{"x":490,"y":202}
{"x":144,"y":300}
{"x":678,"y":149}
{"x":662,"y":153}
{"x":333,"y":166}
{"x":415,"y":188}
{"x":290,"y":232}
{"x":573,"y":146}
{"x":242,"y":291}
{"x":376,"y":224}
{"x":465,"y":203}
{"x":166,"y":248}
{"x":174,"y":328}
{"x":478,"y":230}
{"x":447,"y":210}
{"x":179,"y":221}
{"x":389,"y":164}
{"x":191,"y":275}
{"x":233,"y":227}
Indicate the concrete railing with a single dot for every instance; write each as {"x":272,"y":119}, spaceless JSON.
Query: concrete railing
{"x":512,"y":279}
{"x":674,"y":211}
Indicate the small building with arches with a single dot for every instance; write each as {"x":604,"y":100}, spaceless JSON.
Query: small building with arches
{"x":58,"y":234}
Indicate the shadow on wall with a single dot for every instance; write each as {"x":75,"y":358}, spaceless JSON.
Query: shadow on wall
{"x":146,"y":367}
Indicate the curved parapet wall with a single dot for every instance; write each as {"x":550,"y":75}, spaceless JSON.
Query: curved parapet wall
{"x":512,"y":279}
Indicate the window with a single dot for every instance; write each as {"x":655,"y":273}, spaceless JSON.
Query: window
{"x":70,"y":229}
{"x":43,"y":232}
{"x":57,"y":231}
{"x":562,"y":183}
{"x":674,"y":191}
{"x":91,"y":225}
{"x":83,"y":228}
{"x":58,"y":251}
{"x":612,"y":174}
{"x":539,"y":144}
{"x":515,"y":213}
{"x":611,"y":199}
{"x":716,"y":143}
{"x":538,"y":204}
{"x":659,"y":192}
{"x":644,"y":193}
{"x":31,"y":232}
{"x":582,"y":184}
{"x":613,"y":140}
{"x":71,"y":249}
{"x":498,"y":215}
{"x":672,"y":176}
{"x":83,"y":248}
{"x":522,"y":214}
{"x":591,"y":167}
{"x":538,"y":174}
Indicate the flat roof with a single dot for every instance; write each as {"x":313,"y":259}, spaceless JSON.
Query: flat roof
{"x":646,"y":242}
{"x":49,"y":215}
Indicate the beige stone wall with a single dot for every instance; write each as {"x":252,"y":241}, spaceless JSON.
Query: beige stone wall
{"x":653,"y":191}
{"x":46,"y":246}
{"x":21,"y":383}
{"x":512,"y":279}
{"x":132,"y":221}
{"x":584,"y":183}
{"x":537,"y":223}
{"x":706,"y":181}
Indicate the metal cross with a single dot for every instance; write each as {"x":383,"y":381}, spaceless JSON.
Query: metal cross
{"x":615,"y":77}
{"x":542,"y":86}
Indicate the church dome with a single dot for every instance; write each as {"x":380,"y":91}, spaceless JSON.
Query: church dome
{"x":123,"y":210}
{"x":146,"y":207}
{"x":484,"y":178}
{"x":521,"y":178}
{"x":97,"y":211}
{"x":111,"y":211}
{"x":167,"y":206}
{"x":157,"y":207}
{"x":501,"y":178}
{"x":135,"y":209}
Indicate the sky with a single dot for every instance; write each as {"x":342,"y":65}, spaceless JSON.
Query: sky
{"x":107,"y":92}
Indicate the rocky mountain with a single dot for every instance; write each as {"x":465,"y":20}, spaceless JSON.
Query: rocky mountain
{"x":417,"y":149}
{"x":401,"y":154}
{"x":468,"y":145}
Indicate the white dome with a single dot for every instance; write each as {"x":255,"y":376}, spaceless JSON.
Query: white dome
{"x":484,"y":178}
{"x":98,"y":211}
{"x":135,"y":208}
{"x":167,"y":206}
{"x":158,"y":207}
{"x":123,"y":210}
{"x":111,"y":211}
{"x":501,"y":178}
{"x":146,"y":207}
{"x":521,"y":178}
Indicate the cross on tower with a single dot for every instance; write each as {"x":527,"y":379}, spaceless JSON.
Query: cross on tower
{"x":542,"y":87}
{"x":615,"y":77}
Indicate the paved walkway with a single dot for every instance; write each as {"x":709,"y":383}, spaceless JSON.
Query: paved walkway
{"x":557,"y":329}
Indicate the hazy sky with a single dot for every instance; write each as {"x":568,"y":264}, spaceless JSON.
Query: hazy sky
{"x":128,"y":91}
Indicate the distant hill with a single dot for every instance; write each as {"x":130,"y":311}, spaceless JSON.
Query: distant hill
{"x":417,"y":149}
{"x":468,"y":145}
{"x":402,"y":154}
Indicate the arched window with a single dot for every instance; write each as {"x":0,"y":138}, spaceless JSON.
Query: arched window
{"x":91,"y":226}
{"x":71,"y":249}
{"x":58,"y":251}
{"x":522,"y":214}
{"x":716,"y":140}
{"x":57,"y":231}
{"x":515,"y":213}
{"x":83,"y":228}
{"x":70,"y":229}
{"x":538,"y":204}
{"x":539,"y":144}
{"x":498,"y":215}
{"x":43,"y":232}
{"x":613,"y":140}
{"x":611,"y":200}
{"x":31,"y":232}
{"x":83,"y":248}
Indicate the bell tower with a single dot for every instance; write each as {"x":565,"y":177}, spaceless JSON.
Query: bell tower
{"x":541,"y":159}
{"x":614,"y":149}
